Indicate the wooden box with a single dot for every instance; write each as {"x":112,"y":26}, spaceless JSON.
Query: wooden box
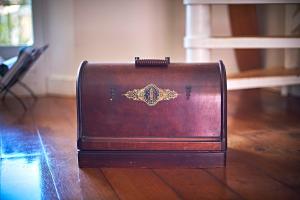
{"x":151,"y":113}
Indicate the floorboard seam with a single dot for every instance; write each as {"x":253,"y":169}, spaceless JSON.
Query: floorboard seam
{"x":225,"y":185}
{"x":267,"y":174}
{"x":165,"y":182}
{"x":273,"y":178}
{"x":109,"y":183}
{"x":47,"y":162}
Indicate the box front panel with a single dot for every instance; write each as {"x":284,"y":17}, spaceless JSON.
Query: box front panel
{"x":121,"y":101}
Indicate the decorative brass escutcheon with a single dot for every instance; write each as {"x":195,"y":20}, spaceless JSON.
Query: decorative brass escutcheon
{"x":151,"y":94}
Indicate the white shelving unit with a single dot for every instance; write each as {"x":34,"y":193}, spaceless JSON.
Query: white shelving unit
{"x":198,"y":42}
{"x":242,"y":42}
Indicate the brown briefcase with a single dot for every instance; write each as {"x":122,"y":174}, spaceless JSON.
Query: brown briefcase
{"x":151,"y":113}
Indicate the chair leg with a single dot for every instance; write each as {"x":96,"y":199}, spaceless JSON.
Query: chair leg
{"x":4,"y":95}
{"x":28,"y":89}
{"x":16,"y":97}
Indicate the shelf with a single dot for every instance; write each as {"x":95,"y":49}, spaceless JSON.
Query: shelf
{"x":264,"y":78}
{"x":266,"y":72}
{"x":239,"y":1}
{"x":242,"y":42}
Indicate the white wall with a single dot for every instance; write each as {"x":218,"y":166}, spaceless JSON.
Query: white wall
{"x":220,"y":27}
{"x":272,"y":24}
{"x":120,"y":30}
{"x":59,"y":34}
{"x":104,"y":30}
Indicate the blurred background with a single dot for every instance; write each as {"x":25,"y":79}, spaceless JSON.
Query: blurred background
{"x":119,"y":30}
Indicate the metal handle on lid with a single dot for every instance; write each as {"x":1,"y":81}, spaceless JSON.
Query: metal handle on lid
{"x":152,"y":62}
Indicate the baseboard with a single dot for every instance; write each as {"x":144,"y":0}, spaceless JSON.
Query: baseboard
{"x":61,"y":85}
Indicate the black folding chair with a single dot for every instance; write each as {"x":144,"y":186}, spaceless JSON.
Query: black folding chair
{"x":26,"y":58}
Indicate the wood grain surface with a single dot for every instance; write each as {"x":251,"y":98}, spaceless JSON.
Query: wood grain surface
{"x":39,"y":156}
{"x":244,"y":23}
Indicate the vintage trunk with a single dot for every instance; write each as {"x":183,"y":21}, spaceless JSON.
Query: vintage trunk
{"x":151,"y":113}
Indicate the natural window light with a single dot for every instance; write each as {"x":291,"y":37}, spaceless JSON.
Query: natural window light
{"x":16,"y":23}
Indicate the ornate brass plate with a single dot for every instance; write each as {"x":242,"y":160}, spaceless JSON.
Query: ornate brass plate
{"x":151,"y":94}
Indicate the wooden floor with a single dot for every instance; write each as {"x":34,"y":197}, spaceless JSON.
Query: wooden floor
{"x":38,"y":156}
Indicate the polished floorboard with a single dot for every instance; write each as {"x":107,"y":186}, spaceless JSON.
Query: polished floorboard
{"x":38,"y":156}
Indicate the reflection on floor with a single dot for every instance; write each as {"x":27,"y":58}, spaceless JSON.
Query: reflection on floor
{"x":38,"y":156}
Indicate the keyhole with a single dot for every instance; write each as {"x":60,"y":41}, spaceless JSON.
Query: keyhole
{"x":188,"y":90}
{"x":112,"y":94}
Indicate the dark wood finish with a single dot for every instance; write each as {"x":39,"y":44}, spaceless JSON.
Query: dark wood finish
{"x":194,"y":122}
{"x":138,"y":184}
{"x":244,"y":22}
{"x":253,"y":184}
{"x":151,"y":159}
{"x":39,"y":156}
{"x":122,"y":118}
{"x":191,"y":145}
{"x":193,"y":180}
